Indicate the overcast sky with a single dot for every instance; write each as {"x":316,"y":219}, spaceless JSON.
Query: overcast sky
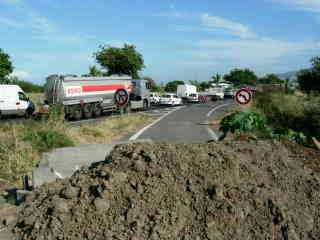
{"x":179,"y":39}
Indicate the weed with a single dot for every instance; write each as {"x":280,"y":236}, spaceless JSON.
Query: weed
{"x":91,"y":131}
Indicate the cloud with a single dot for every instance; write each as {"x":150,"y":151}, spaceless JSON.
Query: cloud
{"x":10,"y":22}
{"x":216,"y":23}
{"x":172,"y":13}
{"x":40,"y":26}
{"x":309,"y":5}
{"x":264,"y":54}
{"x":20,"y":74}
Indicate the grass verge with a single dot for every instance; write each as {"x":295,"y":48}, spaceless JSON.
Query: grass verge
{"x":22,"y":144}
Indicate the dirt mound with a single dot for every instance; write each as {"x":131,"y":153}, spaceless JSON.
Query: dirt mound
{"x":232,"y":190}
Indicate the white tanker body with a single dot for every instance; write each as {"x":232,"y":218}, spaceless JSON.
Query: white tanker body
{"x":87,"y":96}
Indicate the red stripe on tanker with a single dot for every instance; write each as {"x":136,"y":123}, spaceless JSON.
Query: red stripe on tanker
{"x":99,"y":88}
{"x":95,"y":89}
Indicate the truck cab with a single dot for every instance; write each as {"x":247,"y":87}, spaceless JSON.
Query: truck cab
{"x":140,"y":95}
{"x":14,"y":101}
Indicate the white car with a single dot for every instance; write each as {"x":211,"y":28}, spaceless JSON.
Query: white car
{"x":13,"y":101}
{"x":170,"y":99}
{"x":154,"y":98}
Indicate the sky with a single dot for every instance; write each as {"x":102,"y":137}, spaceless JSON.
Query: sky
{"x":179,"y":39}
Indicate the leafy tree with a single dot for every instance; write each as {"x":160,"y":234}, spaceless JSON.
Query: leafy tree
{"x":216,"y":78}
{"x":241,"y":77}
{"x":152,"y":83}
{"x":94,"y":71}
{"x":5,"y":66}
{"x":125,"y":60}
{"x":270,"y":79}
{"x":172,"y":86}
{"x":201,"y":86}
{"x":309,"y":80}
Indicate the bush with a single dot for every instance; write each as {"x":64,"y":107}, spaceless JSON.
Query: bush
{"x":250,"y":123}
{"x":254,"y":126}
{"x":284,"y":111}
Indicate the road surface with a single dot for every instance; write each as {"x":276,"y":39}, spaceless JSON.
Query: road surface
{"x":184,"y":124}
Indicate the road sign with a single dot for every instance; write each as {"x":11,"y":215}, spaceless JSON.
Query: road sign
{"x":243,"y":96}
{"x":121,"y":97}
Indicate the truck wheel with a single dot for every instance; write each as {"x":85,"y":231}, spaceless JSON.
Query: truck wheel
{"x":76,"y":113}
{"x":145,"y":105}
{"x":87,"y":111}
{"x":97,"y":110}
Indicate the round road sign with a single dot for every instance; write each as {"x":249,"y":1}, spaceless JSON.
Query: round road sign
{"x":243,"y":96}
{"x":121,"y":97}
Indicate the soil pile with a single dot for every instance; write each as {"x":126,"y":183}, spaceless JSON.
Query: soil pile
{"x":230,"y":190}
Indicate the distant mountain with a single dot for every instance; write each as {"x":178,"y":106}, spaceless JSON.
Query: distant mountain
{"x":292,"y":76}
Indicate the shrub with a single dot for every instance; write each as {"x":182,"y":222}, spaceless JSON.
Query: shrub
{"x":244,"y":122}
{"x":284,"y":111}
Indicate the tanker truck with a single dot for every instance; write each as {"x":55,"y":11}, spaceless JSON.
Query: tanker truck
{"x":86,"y":97}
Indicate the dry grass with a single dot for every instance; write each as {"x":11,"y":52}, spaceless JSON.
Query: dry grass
{"x":109,"y":130}
{"x":22,"y":144}
{"x":37,"y":99}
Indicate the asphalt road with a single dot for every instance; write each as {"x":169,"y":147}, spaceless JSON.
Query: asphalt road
{"x":186,"y":124}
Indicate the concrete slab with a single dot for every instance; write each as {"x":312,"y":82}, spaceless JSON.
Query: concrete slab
{"x":64,"y":162}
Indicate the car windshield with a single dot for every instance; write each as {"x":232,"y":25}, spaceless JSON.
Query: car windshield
{"x":166,"y":96}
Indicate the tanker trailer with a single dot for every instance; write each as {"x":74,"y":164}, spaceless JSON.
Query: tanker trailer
{"x":85,"y":97}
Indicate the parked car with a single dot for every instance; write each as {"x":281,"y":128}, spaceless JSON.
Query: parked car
{"x":170,"y":99}
{"x":188,"y":93}
{"x":154,"y":98}
{"x":229,"y":93}
{"x":13,"y":101}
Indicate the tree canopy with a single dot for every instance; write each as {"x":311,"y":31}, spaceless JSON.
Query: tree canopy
{"x":241,"y":77}
{"x":173,"y":85}
{"x":216,"y":78}
{"x":122,"y":61}
{"x":94,"y":71}
{"x":201,"y":86}
{"x":270,"y":79}
{"x":6,"y":67}
{"x":309,"y":80}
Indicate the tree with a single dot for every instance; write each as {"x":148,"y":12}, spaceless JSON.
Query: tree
{"x":201,"y":86}
{"x":172,"y":86}
{"x":125,"y":60}
{"x":216,"y":78}
{"x":309,"y":80}
{"x":270,"y":79}
{"x":6,"y":67}
{"x":94,"y":71}
{"x":241,"y":77}
{"x":152,"y":83}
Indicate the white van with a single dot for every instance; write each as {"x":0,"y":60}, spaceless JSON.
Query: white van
{"x":13,"y":101}
{"x":188,"y":93}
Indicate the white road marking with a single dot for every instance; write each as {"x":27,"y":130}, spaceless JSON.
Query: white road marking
{"x":138,"y":134}
{"x":216,"y":108}
{"x":212,"y":134}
